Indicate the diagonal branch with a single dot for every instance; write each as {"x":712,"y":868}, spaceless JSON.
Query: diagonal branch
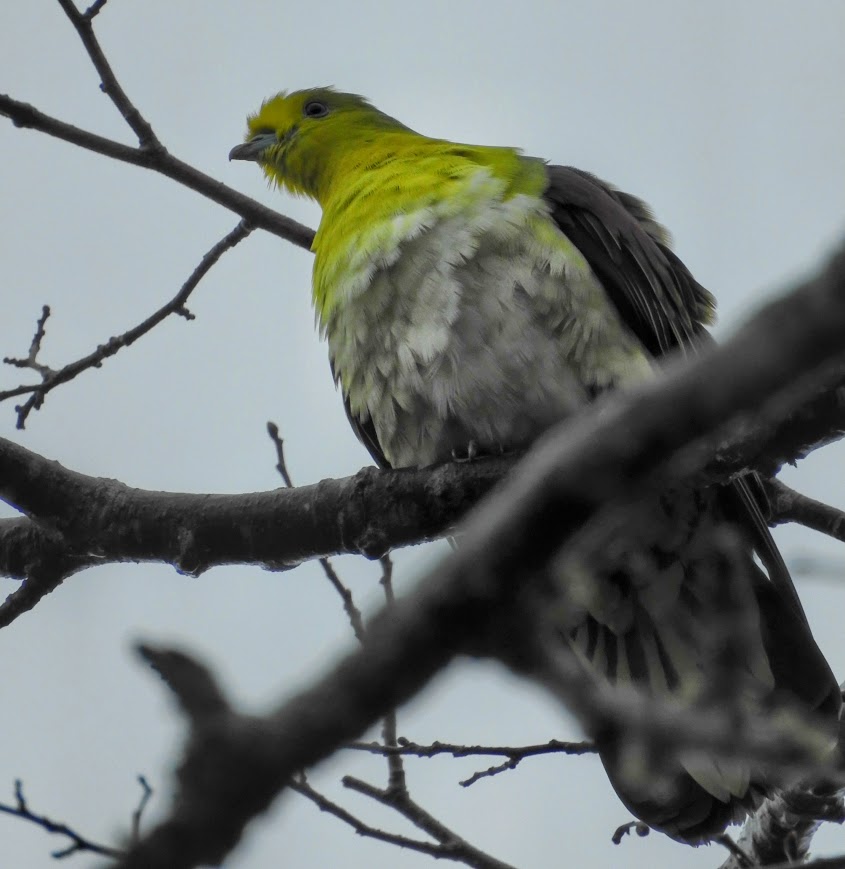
{"x":31,"y":359}
{"x":52,"y":378}
{"x":396,"y":793}
{"x":78,"y":842}
{"x":601,"y":459}
{"x":452,"y":846}
{"x":83,"y":24}
{"x":356,"y":620}
{"x":301,"y":786}
{"x":791,"y":506}
{"x":24,"y":115}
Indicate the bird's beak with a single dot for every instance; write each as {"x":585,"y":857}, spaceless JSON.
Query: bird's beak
{"x":253,"y":149}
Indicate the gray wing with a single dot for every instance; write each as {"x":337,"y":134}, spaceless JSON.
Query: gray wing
{"x":658,"y":298}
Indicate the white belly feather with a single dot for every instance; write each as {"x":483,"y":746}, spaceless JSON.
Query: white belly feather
{"x":472,"y":329}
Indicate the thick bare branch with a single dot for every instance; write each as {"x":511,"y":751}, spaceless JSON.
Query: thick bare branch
{"x":363,"y":514}
{"x":768,"y":441}
{"x":103,"y":520}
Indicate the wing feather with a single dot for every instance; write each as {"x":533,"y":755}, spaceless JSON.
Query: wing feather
{"x":662,"y":304}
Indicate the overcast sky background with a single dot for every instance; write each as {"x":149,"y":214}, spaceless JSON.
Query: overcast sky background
{"x":728,"y":117}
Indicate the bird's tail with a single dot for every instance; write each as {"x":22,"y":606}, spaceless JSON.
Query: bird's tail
{"x":690,"y":617}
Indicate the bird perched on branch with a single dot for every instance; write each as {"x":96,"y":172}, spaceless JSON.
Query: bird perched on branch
{"x":471,"y":297}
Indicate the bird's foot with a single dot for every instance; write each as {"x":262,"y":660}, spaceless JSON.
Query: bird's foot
{"x":467,"y":454}
{"x":473,"y":451}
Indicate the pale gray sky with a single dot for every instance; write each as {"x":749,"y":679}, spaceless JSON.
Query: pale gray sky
{"x":728,"y":117}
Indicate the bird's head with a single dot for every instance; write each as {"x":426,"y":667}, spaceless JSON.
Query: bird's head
{"x":300,"y":138}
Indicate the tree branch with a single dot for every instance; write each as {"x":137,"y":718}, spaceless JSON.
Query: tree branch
{"x":356,"y":620}
{"x":83,"y":24}
{"x":781,"y":830}
{"x":78,"y":842}
{"x":276,"y":529}
{"x":452,"y":846}
{"x":514,"y":754}
{"x":50,"y":378}
{"x":236,"y":765}
{"x":83,"y":520}
{"x":161,"y":161}
{"x":791,"y":506}
{"x":768,"y":441}
{"x":367,"y":514}
{"x":301,"y":786}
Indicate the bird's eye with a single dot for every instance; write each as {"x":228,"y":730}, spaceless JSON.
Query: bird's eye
{"x":315,"y":109}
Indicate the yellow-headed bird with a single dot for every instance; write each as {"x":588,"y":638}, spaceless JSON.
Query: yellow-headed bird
{"x":472,"y":296}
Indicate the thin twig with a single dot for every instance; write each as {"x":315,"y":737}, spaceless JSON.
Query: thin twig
{"x":413,"y":749}
{"x":82,"y":22}
{"x":279,"y":444}
{"x":488,"y":773}
{"x":52,"y":378}
{"x":514,"y":754}
{"x":31,"y":359}
{"x":454,"y":847}
{"x":146,"y":795}
{"x":94,"y":9}
{"x":78,"y":842}
{"x":396,"y":781}
{"x":396,"y":793}
{"x":356,"y":620}
{"x":301,"y":786}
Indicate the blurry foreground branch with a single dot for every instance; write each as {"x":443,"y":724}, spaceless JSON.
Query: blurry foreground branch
{"x":235,"y":765}
{"x":780,"y":383}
